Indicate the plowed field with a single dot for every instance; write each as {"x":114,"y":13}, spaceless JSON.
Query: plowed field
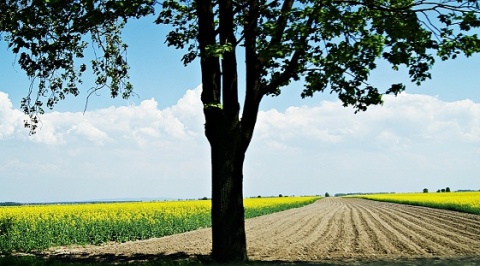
{"x":329,"y":230}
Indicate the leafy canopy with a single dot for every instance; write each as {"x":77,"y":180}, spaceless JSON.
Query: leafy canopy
{"x":48,"y":37}
{"x":332,"y":45}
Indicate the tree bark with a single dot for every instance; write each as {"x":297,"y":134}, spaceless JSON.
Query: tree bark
{"x":224,"y":132}
{"x":228,"y":225}
{"x":228,"y":136}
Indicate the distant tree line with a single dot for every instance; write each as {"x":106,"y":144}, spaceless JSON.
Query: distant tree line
{"x":361,"y":193}
{"x":10,"y":204}
{"x":447,"y":189}
{"x":64,"y":202}
{"x":440,"y":190}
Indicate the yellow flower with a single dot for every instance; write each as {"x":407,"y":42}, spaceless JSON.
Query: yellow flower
{"x":459,"y":201}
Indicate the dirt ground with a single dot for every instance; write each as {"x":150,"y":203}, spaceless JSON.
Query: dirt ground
{"x":330,"y":230}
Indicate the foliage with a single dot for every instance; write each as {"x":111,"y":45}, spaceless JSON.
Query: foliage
{"x":443,"y":190}
{"x":332,"y":45}
{"x":36,"y":227}
{"x":49,"y":37}
{"x":458,"y":201}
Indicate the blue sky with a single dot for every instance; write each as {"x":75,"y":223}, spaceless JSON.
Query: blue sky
{"x":153,"y":145}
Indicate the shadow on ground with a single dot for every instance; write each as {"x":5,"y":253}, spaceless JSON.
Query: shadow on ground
{"x":182,"y":259}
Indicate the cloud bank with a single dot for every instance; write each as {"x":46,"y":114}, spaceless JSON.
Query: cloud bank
{"x":411,"y":142}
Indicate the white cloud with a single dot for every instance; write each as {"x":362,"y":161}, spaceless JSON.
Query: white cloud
{"x":411,"y":142}
{"x":136,"y":146}
{"x":90,"y":132}
{"x":141,"y":123}
{"x":11,"y":120}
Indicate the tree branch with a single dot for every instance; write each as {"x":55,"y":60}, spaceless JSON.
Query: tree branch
{"x":467,"y":6}
{"x":281,"y":23}
{"x":290,"y":70}
{"x":209,"y":64}
{"x":253,"y":72}
{"x":229,"y":61}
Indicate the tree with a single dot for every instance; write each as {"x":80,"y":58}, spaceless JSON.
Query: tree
{"x":329,"y":45}
{"x":425,"y":190}
{"x":447,"y":189}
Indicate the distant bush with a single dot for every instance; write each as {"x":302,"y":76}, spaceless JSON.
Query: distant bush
{"x":327,"y":195}
{"x":425,"y":190}
{"x":443,"y":190}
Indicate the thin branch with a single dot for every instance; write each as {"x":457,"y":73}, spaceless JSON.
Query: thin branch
{"x":428,"y":6}
{"x":282,"y":22}
{"x":431,"y":26}
{"x":290,"y":69}
{"x":253,"y":95}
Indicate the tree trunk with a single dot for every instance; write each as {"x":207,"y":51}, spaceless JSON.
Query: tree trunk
{"x":228,"y":137}
{"x":228,"y":222}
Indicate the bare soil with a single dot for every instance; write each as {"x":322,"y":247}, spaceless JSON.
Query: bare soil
{"x":331,"y":230}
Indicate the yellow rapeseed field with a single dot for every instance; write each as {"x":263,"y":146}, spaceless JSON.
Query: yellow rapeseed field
{"x":458,"y":201}
{"x":25,"y":228}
